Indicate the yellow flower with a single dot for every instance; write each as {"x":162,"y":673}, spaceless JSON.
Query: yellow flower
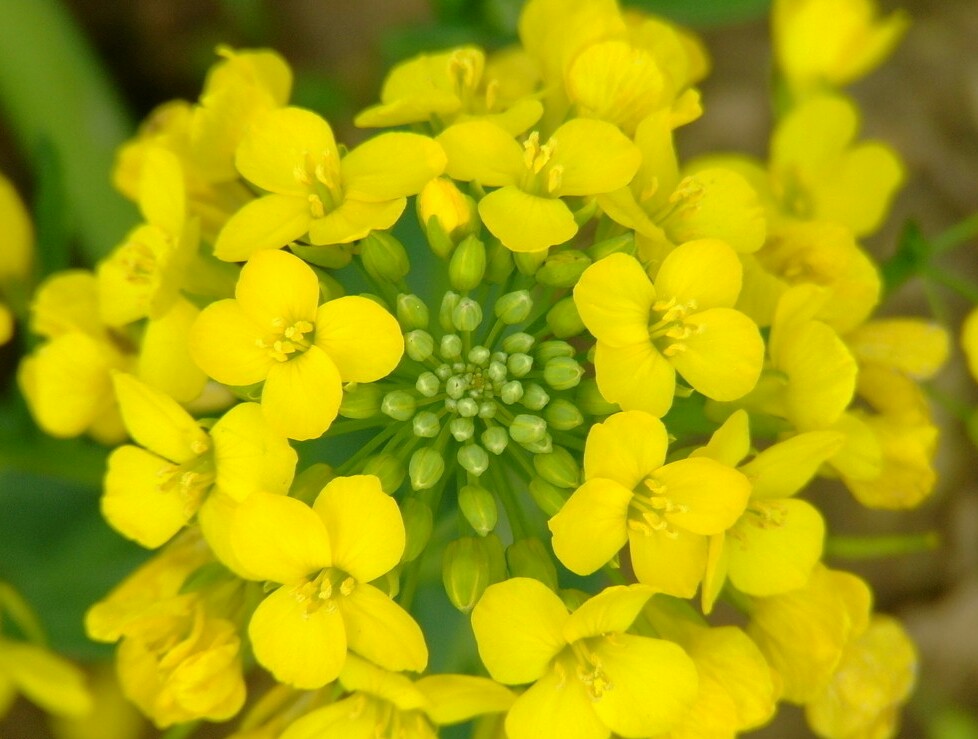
{"x":275,"y":331}
{"x":45,"y":679}
{"x":446,"y":87}
{"x":382,"y":703}
{"x":325,"y":558}
{"x":969,"y":341}
{"x":291,"y":154}
{"x":683,"y":323}
{"x":151,"y":493}
{"x":665,"y":512}
{"x":16,"y":250}
{"x":526,"y":212}
{"x":830,"y":43}
{"x":588,"y":676}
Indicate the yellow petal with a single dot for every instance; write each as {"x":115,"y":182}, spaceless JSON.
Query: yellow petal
{"x":67,"y":301}
{"x":270,"y":222}
{"x":614,"y":298}
{"x":224,"y":342}
{"x":302,"y":396}
{"x":17,"y":253}
{"x":723,"y":358}
{"x":136,"y":503}
{"x":361,"y":676}
{"x":730,"y":443}
{"x":282,"y":142}
{"x":518,"y":626}
{"x":455,"y":698}
{"x":786,"y":467}
{"x":350,"y":718}
{"x":51,"y":682}
{"x":670,"y":564}
{"x":557,"y":705}
{"x":654,"y":684}
{"x":775,"y":546}
{"x":709,"y":495}
{"x":363,"y":340}
{"x":364,"y":524}
{"x":482,"y":151}
{"x":162,"y":199}
{"x":591,"y":527}
{"x":157,"y":422}
{"x":380,"y":630}
{"x":248,"y":455}
{"x":912,"y":345}
{"x":593,"y":157}
{"x":353,"y":220}
{"x":165,"y":361}
{"x":626,"y":448}
{"x":706,"y":273}
{"x":301,"y":646}
{"x":636,"y":377}
{"x":279,"y":539}
{"x":612,"y":611}
{"x":717,"y":203}
{"x":524,"y":222}
{"x":390,"y":166}
{"x":277,"y":286}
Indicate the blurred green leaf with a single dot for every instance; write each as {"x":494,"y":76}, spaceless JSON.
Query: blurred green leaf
{"x":910,"y":258}
{"x":704,"y":13}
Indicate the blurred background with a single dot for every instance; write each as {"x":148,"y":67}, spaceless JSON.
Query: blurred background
{"x":112,"y":61}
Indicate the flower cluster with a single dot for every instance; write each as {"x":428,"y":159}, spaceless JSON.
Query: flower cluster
{"x":585,"y":380}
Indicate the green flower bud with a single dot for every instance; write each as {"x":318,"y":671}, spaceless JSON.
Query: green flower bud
{"x":511,"y":392}
{"x":563,"y":415}
{"x":487,"y":409}
{"x":473,"y":459}
{"x":468,"y":264}
{"x":417,"y":527}
{"x":329,"y":287}
{"x":334,"y":256}
{"x":589,"y":399}
{"x":624,"y":244}
{"x":574,"y":598}
{"x":451,"y":346}
{"x":439,"y":241}
{"x":558,"y":468}
{"x":499,"y":262}
{"x":419,"y":345}
{"x":444,"y":213}
{"x":478,"y":506}
{"x":563,"y":269}
{"x":495,"y":439}
{"x":519,"y":364}
{"x":562,"y":373}
{"x":586,"y":212}
{"x":518,"y":343}
{"x":551,"y":349}
{"x":249,"y":393}
{"x":514,"y":307}
{"x":309,"y":483}
{"x":411,"y":312}
{"x":465,"y":572}
{"x":461,"y":429}
{"x":360,"y":400}
{"x":399,"y":405}
{"x":526,"y":429}
{"x":530,"y":558}
{"x":478,"y":355}
{"x":496,"y":371}
{"x":428,"y":384}
{"x":426,"y":425}
{"x":456,"y":386}
{"x":549,"y":498}
{"x":540,"y":446}
{"x":535,"y":397}
{"x":425,"y":468}
{"x":529,"y":262}
{"x":467,"y":315}
{"x":388,"y":468}
{"x":564,"y":320}
{"x":467,"y":408}
{"x":384,"y":257}
{"x":448,"y":303}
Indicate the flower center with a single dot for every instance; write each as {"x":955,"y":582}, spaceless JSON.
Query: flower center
{"x":323,"y":590}
{"x":648,"y":508}
{"x":190,"y":480}
{"x":321,"y":175}
{"x":667,"y":326}
{"x":541,"y":177}
{"x":287,"y":339}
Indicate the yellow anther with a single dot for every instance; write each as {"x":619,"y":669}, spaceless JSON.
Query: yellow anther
{"x":316,"y":207}
{"x":555,"y":179}
{"x":674,"y":349}
{"x":199,"y":446}
{"x":688,"y":189}
{"x":492,"y":94}
{"x":531,"y":148}
{"x":650,"y":189}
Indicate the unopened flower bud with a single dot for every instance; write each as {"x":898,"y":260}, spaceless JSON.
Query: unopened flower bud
{"x":467,"y":315}
{"x":310,"y":482}
{"x":473,"y":458}
{"x":478,"y":355}
{"x":467,"y":408}
{"x":495,"y":439}
{"x":526,"y":429}
{"x":563,"y":268}
{"x":361,"y":400}
{"x":549,"y":498}
{"x":461,"y":429}
{"x":384,"y":257}
{"x":511,"y":392}
{"x":333,"y":256}
{"x":529,"y":262}
{"x":399,"y":405}
{"x":564,"y":320}
{"x":478,"y":506}
{"x":520,"y":342}
{"x":465,"y":572}
{"x":624,"y":244}
{"x":589,"y":399}
{"x":535,"y":397}
{"x":487,"y":409}
{"x":519,"y":364}
{"x":428,"y":384}
{"x":468,"y":264}
{"x":411,"y":312}
{"x":417,"y":527}
{"x":388,"y":469}
{"x":563,"y":415}
{"x":499,"y":262}
{"x":426,"y":425}
{"x":448,"y":303}
{"x":329,"y":287}
{"x":451,"y":346}
{"x":558,"y":468}
{"x":425,"y":468}
{"x":444,"y":212}
{"x":530,"y":558}
{"x":514,"y":307}
{"x":418,"y":345}
{"x":562,"y":373}
{"x":551,"y":349}
{"x":544,"y":445}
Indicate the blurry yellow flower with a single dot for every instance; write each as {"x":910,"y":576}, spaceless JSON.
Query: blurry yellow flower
{"x":969,"y":341}
{"x":17,"y":240}
{"x":47,"y":680}
{"x":275,"y":331}
{"x":589,"y":677}
{"x":111,"y":717}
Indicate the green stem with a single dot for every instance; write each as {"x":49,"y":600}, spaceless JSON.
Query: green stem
{"x":182,"y":731}
{"x":963,"y":287}
{"x":956,"y":235}
{"x":873,"y":547}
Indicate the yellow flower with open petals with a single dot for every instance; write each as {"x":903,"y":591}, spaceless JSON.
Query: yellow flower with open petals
{"x":292,"y":154}
{"x":581,"y":158}
{"x":683,"y":323}
{"x":665,"y":512}
{"x":325,"y":558}
{"x":589,"y":677}
{"x":274,"y":330}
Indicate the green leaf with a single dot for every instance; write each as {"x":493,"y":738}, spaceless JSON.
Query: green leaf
{"x":909,"y":260}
